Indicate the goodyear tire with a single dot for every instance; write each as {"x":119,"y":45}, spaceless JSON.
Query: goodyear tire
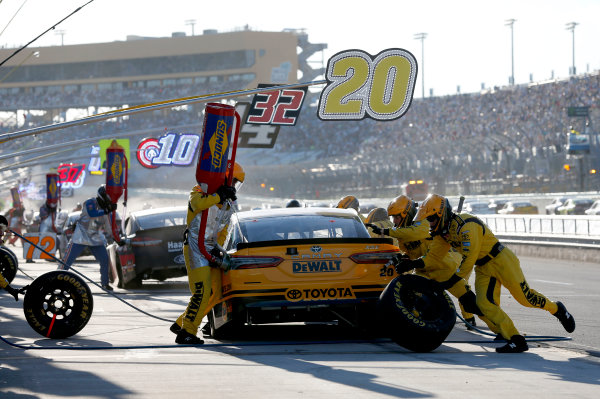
{"x":415,"y":314}
{"x":8,"y":264}
{"x":58,"y":304}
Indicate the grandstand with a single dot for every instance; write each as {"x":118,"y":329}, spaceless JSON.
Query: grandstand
{"x":501,"y":140}
{"x":136,"y":70}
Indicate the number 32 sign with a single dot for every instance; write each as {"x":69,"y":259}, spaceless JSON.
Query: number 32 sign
{"x":362,"y":86}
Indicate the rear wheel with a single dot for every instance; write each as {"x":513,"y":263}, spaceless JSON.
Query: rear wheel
{"x":8,"y":264}
{"x":229,"y":330}
{"x":131,"y":284}
{"x":58,"y":304}
{"x":414,"y":313}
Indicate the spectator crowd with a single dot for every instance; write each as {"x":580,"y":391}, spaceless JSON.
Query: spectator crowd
{"x":513,"y":133}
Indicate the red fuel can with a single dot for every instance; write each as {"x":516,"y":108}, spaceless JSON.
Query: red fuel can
{"x":216,"y":142}
{"x":116,"y":171}
{"x":52,"y":189}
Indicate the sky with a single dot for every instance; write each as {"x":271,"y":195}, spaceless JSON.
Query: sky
{"x":467,"y":45}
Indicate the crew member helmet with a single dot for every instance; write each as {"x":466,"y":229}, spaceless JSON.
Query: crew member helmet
{"x":293,"y":204}
{"x":403,"y":210}
{"x":376,"y":215}
{"x":437,"y":210}
{"x":102,"y":197}
{"x":347,"y":202}
{"x":238,"y":176}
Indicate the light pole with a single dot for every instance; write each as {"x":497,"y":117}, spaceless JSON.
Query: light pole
{"x":571,"y":26}
{"x":62,"y":36}
{"x":421,"y":36}
{"x":191,"y":22}
{"x":511,"y":22}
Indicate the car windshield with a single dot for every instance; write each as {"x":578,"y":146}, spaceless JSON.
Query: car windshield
{"x":152,"y":221}
{"x":296,"y":227}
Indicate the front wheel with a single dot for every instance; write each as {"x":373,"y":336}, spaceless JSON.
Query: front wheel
{"x":414,"y":313}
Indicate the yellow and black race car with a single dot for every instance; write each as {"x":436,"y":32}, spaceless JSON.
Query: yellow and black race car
{"x":300,"y":265}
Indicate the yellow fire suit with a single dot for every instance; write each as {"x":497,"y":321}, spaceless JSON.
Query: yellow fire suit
{"x":3,"y":282}
{"x":495,"y":266}
{"x":204,"y":281}
{"x":414,"y":241}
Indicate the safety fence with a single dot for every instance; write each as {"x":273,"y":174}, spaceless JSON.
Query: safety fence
{"x":555,"y":230}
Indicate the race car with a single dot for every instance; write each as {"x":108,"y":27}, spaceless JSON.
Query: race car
{"x":153,"y":246}
{"x":301,"y":265}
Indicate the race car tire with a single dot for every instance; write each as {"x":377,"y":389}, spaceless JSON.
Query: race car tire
{"x":415,"y":314}
{"x":229,"y":330}
{"x":131,"y":284}
{"x":58,"y":304}
{"x":8,"y":264}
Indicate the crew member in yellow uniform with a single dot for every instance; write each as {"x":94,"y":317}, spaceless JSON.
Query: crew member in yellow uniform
{"x":199,"y":270}
{"x":3,"y":283}
{"x":495,"y":266}
{"x":350,"y":202}
{"x":379,"y":217}
{"x":414,"y":240}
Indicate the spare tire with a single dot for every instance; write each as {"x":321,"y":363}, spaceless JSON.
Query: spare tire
{"x":8,"y":264}
{"x":58,"y":304}
{"x":415,"y":313}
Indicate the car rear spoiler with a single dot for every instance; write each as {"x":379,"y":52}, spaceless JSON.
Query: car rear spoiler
{"x":314,"y":241}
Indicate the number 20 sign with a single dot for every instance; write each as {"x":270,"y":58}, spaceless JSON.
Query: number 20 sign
{"x":362,"y":86}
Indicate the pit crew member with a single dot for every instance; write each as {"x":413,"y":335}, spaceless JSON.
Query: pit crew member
{"x":495,"y":266}
{"x":201,"y":271}
{"x":90,"y":231}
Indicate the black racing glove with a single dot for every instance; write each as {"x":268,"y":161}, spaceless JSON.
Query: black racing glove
{"x":403,"y":264}
{"x":226,"y":192}
{"x":12,"y":291}
{"x":378,"y":230}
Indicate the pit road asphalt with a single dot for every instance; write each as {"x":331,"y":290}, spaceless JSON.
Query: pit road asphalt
{"x":293,"y":361}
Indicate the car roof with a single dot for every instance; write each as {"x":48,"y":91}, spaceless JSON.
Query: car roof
{"x":156,"y":211}
{"x":286,"y":212}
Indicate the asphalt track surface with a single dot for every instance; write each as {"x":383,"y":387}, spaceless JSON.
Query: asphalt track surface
{"x":123,"y":353}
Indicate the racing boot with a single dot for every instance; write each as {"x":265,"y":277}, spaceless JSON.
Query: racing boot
{"x":516,"y":344}
{"x":185,"y":338}
{"x":175,"y":328}
{"x":470,"y":323}
{"x":566,"y":319}
{"x":206,"y":329}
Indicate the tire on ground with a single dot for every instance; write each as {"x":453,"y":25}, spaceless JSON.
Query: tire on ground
{"x":8,"y":264}
{"x":58,"y":304}
{"x":414,"y":314}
